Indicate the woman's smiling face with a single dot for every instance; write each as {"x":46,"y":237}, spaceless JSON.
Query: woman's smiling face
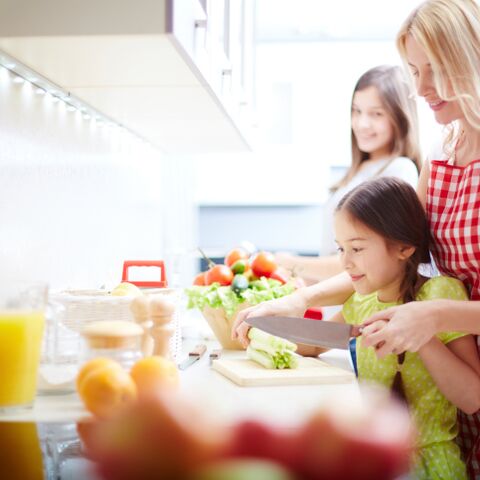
{"x":445,"y":111}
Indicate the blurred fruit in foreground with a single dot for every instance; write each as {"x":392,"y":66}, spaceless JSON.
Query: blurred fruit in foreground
{"x":166,"y":437}
{"x":159,"y":437}
{"x":126,"y":289}
{"x":153,"y":373}
{"x":107,"y":390}
{"x":243,"y":469}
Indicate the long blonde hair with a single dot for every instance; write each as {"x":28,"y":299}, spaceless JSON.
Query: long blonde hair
{"x":449,"y":32}
{"x":396,"y":96}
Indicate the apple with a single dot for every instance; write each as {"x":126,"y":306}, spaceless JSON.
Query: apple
{"x":126,"y":289}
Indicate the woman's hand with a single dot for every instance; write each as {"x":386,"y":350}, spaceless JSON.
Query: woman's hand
{"x":409,"y":327}
{"x":293,"y":305}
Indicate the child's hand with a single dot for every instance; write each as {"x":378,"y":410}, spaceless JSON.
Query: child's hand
{"x":293,"y":305}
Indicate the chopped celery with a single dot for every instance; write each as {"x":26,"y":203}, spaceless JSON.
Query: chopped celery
{"x":256,"y":345}
{"x":262,"y":358}
{"x":271,"y":340}
{"x":271,"y":351}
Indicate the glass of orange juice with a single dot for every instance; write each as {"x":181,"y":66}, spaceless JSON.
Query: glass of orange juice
{"x":22,"y":322}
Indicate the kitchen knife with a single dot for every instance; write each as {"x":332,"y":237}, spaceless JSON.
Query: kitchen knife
{"x":320,"y":333}
{"x":193,"y":356}
{"x":215,"y":355}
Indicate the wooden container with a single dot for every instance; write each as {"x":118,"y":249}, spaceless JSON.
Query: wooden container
{"x":222,"y":325}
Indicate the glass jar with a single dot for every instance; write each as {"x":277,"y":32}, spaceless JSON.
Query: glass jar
{"x":60,"y":350}
{"x":117,"y":340}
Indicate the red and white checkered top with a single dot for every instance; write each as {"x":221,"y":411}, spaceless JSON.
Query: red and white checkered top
{"x":453,"y":211}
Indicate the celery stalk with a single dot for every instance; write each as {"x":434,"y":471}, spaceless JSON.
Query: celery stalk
{"x":271,"y":351}
{"x":271,"y":340}
{"x":256,"y":345}
{"x":260,"y":357}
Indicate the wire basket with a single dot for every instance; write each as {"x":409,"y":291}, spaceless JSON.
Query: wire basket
{"x":81,"y":307}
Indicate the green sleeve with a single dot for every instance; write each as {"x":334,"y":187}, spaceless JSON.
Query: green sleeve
{"x":348,"y":310}
{"x":446,"y":288}
{"x":358,"y":308}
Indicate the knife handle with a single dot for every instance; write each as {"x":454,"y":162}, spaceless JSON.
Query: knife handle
{"x":198,"y":351}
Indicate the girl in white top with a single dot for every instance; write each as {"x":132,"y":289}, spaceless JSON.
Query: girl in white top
{"x":384,"y":130}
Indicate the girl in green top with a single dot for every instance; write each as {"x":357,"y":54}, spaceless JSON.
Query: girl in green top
{"x":382,"y":238}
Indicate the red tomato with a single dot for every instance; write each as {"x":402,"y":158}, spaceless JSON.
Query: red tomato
{"x":263,"y":264}
{"x":200,"y":279}
{"x":219,"y":273}
{"x":234,"y":255}
{"x":279,"y":275}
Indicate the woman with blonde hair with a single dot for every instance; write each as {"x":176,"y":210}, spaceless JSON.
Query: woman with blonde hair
{"x":440,"y":43}
{"x":384,"y":142}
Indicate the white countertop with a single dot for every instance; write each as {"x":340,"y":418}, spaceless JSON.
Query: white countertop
{"x":218,"y":394}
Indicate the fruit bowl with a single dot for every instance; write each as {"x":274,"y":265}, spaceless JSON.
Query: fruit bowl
{"x":242,"y":281}
{"x":221,"y":304}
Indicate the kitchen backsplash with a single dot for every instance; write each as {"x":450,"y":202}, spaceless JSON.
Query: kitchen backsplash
{"x":77,"y":199}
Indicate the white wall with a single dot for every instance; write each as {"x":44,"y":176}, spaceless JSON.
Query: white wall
{"x":77,"y":199}
{"x":303,"y":97}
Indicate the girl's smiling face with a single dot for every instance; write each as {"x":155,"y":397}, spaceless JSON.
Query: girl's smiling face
{"x":445,"y":111}
{"x":374,"y":265}
{"x":371,"y":124}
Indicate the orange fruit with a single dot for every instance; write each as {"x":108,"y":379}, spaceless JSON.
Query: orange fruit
{"x":153,"y":373}
{"x":107,"y":390}
{"x":93,"y":365}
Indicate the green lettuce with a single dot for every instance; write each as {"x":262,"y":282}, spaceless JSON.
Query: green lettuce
{"x":216,"y":296}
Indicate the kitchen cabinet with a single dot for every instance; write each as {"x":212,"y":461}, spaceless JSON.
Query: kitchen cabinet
{"x":158,"y":67}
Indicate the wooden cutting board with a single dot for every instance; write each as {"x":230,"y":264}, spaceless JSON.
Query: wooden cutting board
{"x":310,"y":371}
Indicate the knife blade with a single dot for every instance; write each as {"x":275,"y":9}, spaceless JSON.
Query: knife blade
{"x":193,"y":356}
{"x":320,"y":333}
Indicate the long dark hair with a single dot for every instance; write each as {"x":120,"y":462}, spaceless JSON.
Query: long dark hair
{"x":396,"y":96}
{"x":390,"y":207}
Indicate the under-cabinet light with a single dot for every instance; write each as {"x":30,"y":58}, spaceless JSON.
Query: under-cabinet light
{"x":55,"y":93}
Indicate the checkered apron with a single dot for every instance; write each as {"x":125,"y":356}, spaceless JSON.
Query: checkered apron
{"x":453,"y":210}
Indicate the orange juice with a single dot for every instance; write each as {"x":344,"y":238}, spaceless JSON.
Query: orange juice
{"x":20,"y":452}
{"x":20,"y":343}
